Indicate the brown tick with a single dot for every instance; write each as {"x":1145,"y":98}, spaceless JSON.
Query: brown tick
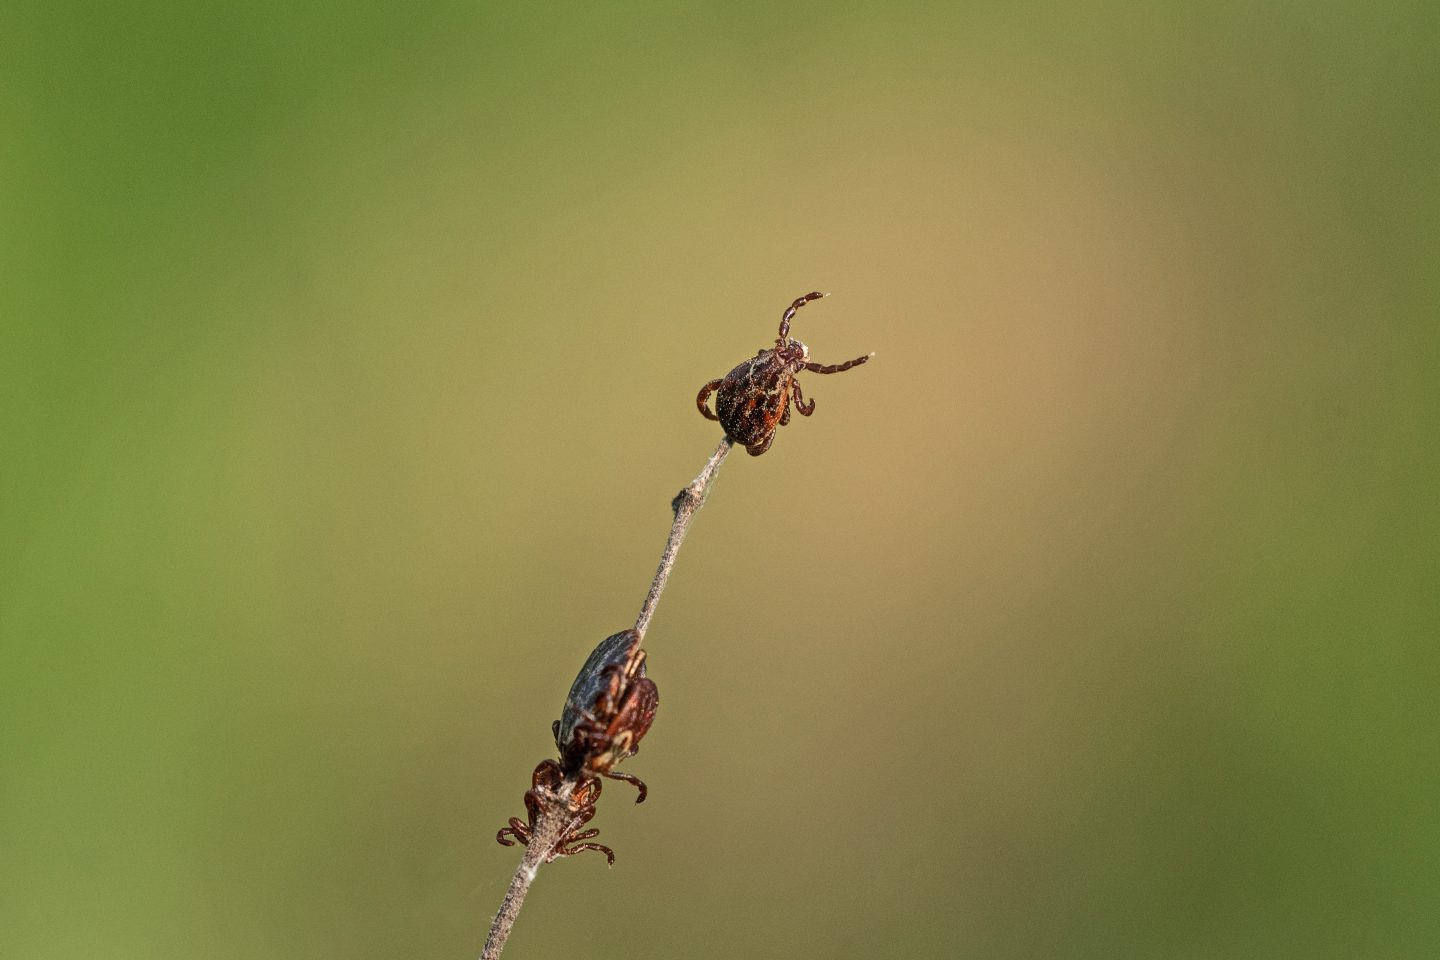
{"x":609,"y":709}
{"x":754,"y":399}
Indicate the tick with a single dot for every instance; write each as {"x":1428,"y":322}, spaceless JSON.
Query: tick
{"x":608,"y":710}
{"x":754,"y":400}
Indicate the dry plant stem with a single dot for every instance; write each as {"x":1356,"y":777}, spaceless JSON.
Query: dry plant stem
{"x":686,"y":504}
{"x":547,"y":831}
{"x":550,"y":827}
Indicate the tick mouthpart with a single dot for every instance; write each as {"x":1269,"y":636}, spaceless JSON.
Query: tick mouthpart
{"x":792,"y":350}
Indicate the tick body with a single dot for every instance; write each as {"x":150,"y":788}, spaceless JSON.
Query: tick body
{"x":754,"y":400}
{"x":608,"y":710}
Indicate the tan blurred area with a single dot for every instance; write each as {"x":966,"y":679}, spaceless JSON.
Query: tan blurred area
{"x":350,"y":362}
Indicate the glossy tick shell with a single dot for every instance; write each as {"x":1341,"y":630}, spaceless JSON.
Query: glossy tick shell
{"x":610,"y":707}
{"x":754,"y":399}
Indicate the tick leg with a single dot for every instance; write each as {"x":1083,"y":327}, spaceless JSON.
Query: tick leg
{"x":587,"y":793}
{"x":570,"y":851}
{"x":565,"y":847}
{"x":761,"y":445}
{"x":548,"y":773}
{"x":837,"y":367}
{"x":605,"y":704}
{"x":785,"y":412}
{"x":516,"y":829}
{"x":635,"y":661}
{"x":581,"y":818}
{"x":801,"y":407}
{"x":704,"y":395}
{"x":790,"y":314}
{"x":638,"y":783}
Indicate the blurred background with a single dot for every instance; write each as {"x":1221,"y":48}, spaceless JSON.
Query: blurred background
{"x":347,"y":365}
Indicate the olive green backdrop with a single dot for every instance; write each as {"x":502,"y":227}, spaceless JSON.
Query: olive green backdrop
{"x":347,"y":364}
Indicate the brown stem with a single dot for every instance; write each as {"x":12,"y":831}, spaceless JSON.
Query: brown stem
{"x":686,"y":504}
{"x":543,"y":838}
{"x":554,"y":814}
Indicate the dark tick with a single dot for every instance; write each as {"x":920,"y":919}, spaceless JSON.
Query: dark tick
{"x":609,"y":709}
{"x":754,"y":399}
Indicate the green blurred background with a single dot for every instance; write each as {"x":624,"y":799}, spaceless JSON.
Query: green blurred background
{"x":347,"y":356}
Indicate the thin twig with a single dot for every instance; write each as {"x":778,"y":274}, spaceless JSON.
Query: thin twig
{"x":554,"y":815}
{"x":686,"y":503}
{"x":547,"y":831}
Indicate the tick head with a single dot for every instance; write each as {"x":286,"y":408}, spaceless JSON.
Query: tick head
{"x":792,"y":353}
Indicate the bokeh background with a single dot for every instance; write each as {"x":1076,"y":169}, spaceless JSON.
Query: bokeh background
{"x":348,"y":355}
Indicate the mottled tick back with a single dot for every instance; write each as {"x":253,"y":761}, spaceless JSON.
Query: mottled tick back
{"x":754,"y":400}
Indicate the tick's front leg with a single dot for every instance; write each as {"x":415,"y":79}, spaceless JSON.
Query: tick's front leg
{"x":800,"y":405}
{"x":704,"y":395}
